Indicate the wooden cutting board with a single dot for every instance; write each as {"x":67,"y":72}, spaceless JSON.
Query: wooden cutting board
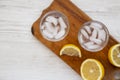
{"x":76,"y":18}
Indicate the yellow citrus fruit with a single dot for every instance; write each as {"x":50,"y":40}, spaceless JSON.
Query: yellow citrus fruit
{"x":114,"y":55}
{"x":92,"y":69}
{"x":70,"y":50}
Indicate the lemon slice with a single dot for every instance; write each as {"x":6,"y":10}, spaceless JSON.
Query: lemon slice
{"x":114,"y":55}
{"x":92,"y":69}
{"x":70,"y":50}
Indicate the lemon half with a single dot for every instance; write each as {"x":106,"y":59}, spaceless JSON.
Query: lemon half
{"x":92,"y":69}
{"x":114,"y":55}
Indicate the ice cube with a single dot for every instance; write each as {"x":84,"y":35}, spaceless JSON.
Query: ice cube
{"x":47,"y":34}
{"x":84,"y":33}
{"x":60,"y":34}
{"x":94,"y":33}
{"x":52,"y":19}
{"x":62,"y":23}
{"x":87,"y":28}
{"x":56,"y":30}
{"x":88,"y":43}
{"x":42,"y":26}
{"x":101,"y":34}
{"x":97,"y":41}
{"x":93,"y":46}
{"x":49,"y":27}
{"x":96,"y":25}
{"x":80,"y":38}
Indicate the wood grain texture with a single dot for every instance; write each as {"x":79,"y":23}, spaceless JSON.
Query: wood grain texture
{"x":76,"y":18}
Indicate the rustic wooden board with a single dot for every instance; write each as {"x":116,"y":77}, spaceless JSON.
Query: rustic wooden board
{"x":76,"y":18}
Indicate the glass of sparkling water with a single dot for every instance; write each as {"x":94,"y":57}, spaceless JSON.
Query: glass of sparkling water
{"x":54,"y":26}
{"x":93,"y":36}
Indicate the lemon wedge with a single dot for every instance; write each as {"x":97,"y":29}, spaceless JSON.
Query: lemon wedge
{"x":70,"y":50}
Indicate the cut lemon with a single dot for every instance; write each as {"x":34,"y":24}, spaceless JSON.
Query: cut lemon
{"x":70,"y":50}
{"x":92,"y":69}
{"x":114,"y":55}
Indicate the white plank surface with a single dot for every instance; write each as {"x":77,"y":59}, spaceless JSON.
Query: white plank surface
{"x":22,"y":57}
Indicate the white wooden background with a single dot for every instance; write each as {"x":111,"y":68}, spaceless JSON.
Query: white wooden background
{"x":23,"y":57}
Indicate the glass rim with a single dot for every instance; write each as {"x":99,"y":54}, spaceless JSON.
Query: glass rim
{"x":65,"y":19}
{"x":105,"y":42}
